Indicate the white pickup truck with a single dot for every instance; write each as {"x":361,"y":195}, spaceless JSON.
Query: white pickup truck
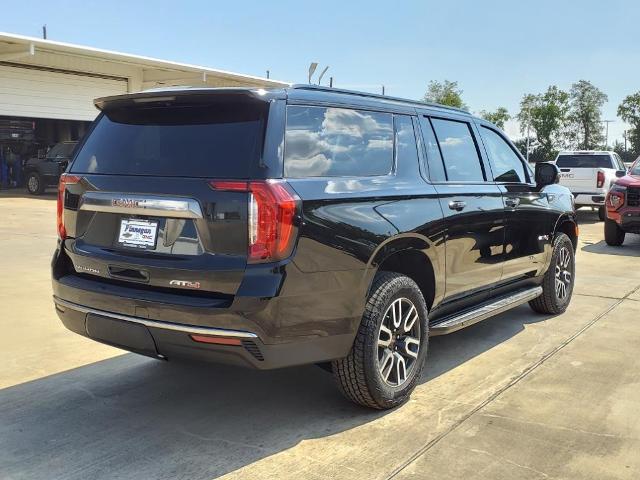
{"x":589,"y":174}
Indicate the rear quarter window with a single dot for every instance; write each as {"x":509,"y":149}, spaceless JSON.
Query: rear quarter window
{"x":328,"y":141}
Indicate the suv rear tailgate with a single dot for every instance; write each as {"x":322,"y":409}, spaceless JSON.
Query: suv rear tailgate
{"x":200,"y":248}
{"x":579,"y":172}
{"x":141,"y":210}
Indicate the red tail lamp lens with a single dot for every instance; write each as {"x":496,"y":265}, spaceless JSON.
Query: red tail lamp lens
{"x":271,"y":217}
{"x":64,"y":181}
{"x":600,"y":179}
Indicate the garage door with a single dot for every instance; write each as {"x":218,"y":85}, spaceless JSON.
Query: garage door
{"x":26,"y":92}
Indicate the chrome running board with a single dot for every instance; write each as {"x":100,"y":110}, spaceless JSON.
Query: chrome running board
{"x":469,"y":317}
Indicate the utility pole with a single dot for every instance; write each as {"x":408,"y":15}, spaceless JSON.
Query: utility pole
{"x":607,"y":122}
{"x":44,"y":31}
{"x":330,"y":82}
{"x":267,"y":73}
{"x":527,"y":142}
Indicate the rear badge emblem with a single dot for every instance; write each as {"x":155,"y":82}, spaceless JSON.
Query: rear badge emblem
{"x":184,"y":283}
{"x":127,"y":203}
{"x":83,"y":268}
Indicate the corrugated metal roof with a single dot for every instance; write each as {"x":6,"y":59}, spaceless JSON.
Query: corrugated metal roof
{"x":51,"y":46}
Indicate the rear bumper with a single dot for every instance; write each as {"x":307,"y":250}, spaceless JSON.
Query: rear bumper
{"x":169,"y":341}
{"x":590,"y":198}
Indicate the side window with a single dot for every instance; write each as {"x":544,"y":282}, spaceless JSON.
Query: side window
{"x":459,"y":152}
{"x":326,"y":141}
{"x":506,"y":165}
{"x":406,"y":148}
{"x":434,"y":159}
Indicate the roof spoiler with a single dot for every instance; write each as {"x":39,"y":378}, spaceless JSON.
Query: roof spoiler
{"x":187,"y":95}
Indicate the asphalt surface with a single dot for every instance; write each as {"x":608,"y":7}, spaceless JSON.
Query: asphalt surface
{"x":519,"y":396}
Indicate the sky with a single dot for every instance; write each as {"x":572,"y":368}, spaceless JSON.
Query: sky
{"x":496,"y":50}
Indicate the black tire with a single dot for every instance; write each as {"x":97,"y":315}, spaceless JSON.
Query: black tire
{"x":553,"y":301}
{"x":602,"y":214}
{"x":613,"y":234}
{"x":358,"y":375}
{"x":35,"y":183}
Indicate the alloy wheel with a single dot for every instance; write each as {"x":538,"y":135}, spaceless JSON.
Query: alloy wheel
{"x":564,"y":277}
{"x":33,"y":183}
{"x":398,"y":342}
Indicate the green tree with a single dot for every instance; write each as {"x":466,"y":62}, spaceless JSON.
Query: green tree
{"x":545,"y":116}
{"x":444,"y":93}
{"x":629,"y":111}
{"x":535,"y":152}
{"x":626,"y":155}
{"x":498,"y":118}
{"x":586,"y":114}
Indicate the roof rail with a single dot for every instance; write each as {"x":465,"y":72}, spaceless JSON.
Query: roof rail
{"x":304,"y":86}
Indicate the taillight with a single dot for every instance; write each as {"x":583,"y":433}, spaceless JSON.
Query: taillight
{"x":271,"y":217}
{"x":600,"y":179}
{"x":64,"y":181}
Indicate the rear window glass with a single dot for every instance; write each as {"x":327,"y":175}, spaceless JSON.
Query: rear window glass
{"x":323,"y":142}
{"x":62,"y":150}
{"x":220,"y":140}
{"x":584,"y":161}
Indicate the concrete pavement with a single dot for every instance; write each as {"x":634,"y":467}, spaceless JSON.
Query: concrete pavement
{"x":517,"y":396}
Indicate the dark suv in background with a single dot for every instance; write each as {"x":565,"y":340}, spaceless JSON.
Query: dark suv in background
{"x":271,"y":228}
{"x":41,"y":173}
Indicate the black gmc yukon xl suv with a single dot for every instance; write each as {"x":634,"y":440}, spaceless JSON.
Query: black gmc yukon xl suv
{"x":271,"y":228}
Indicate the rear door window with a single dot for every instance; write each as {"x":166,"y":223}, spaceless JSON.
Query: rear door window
{"x":459,"y":150}
{"x":328,"y":141}
{"x":584,"y":161}
{"x":214,"y":141}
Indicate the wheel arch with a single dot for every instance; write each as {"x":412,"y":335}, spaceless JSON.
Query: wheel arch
{"x":568,"y":225}
{"x":416,"y":257}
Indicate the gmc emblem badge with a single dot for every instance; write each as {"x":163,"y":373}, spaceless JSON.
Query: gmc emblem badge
{"x":127,"y":203}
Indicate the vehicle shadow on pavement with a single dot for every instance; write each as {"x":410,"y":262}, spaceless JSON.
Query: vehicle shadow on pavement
{"x":630,"y":247}
{"x":446,"y":352}
{"x":586,"y":216}
{"x":133,"y":417}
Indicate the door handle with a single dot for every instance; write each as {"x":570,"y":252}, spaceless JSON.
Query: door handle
{"x":457,"y":205}
{"x":512,"y":202}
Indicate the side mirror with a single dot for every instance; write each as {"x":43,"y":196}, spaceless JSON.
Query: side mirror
{"x":546,"y":174}
{"x":620,"y":173}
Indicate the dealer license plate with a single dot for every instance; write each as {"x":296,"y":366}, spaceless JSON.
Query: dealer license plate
{"x":140,"y":234}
